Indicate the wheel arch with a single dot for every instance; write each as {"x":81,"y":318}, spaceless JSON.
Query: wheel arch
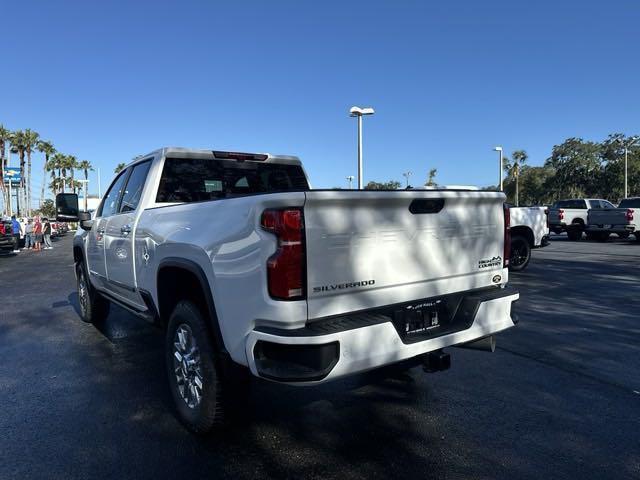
{"x":524,"y":231}
{"x":178,"y":279}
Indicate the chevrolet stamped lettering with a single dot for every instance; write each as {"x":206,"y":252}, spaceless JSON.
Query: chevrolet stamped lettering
{"x":343,"y":286}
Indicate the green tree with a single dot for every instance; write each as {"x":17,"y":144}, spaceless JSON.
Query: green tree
{"x":71,"y":164}
{"x":119,"y":168}
{"x":58,"y":161}
{"x":390,"y":185}
{"x":47,"y":209}
{"x":31,"y":139}
{"x":577,"y":167}
{"x":45,"y":147}
{"x":431,"y":178}
{"x":512,"y":168}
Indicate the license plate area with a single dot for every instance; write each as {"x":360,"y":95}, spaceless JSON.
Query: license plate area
{"x":430,"y":318}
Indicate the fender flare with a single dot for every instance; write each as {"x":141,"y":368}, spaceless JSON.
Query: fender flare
{"x":198,"y":272}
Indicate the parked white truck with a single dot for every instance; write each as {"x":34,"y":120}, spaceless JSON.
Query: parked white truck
{"x":571,"y":215}
{"x":529,"y":230}
{"x":249,"y":270}
{"x":622,"y":220}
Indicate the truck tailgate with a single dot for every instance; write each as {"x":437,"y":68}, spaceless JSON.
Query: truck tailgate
{"x":610,"y":216}
{"x":373,"y":248}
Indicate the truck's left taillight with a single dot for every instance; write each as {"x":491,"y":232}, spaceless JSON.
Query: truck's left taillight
{"x":507,"y":236}
{"x":286,"y":267}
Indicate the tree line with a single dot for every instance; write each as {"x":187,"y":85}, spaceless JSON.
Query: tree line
{"x":576,"y":168}
{"x":60,"y":166}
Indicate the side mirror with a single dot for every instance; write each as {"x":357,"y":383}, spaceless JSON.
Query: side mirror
{"x":67,"y":209}
{"x":86,"y":224}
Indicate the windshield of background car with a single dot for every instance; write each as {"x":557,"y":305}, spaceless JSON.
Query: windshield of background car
{"x":197,"y":179}
{"x":630,"y":203}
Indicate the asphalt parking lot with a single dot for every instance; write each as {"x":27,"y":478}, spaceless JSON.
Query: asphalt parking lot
{"x":560,"y":398}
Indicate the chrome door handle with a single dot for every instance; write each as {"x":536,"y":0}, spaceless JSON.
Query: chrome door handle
{"x":125,"y":229}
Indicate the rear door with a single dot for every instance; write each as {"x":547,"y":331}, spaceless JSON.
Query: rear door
{"x":368,"y":248}
{"x":95,"y":236}
{"x":119,"y":236}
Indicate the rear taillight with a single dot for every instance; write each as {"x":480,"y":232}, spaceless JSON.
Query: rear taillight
{"x":629,"y":214}
{"x":560,"y":214}
{"x":285,"y":268}
{"x":546,"y":215}
{"x":2,"y":232}
{"x":507,"y":236}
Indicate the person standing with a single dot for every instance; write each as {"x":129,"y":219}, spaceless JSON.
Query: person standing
{"x":28,"y":235}
{"x":46,"y":233}
{"x":15,"y":230}
{"x":37,"y":235}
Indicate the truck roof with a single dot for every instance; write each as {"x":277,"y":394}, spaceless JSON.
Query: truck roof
{"x":216,"y":155}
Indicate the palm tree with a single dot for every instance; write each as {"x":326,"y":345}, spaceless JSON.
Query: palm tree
{"x":5,"y":136}
{"x":48,"y":150}
{"x":513,"y":167}
{"x":57,"y":184}
{"x":85,"y":166}
{"x":18,"y":141}
{"x":31,"y":142}
{"x":61,"y":163}
{"x":119,"y":167}
{"x":70,"y":164}
{"x":431,"y":179}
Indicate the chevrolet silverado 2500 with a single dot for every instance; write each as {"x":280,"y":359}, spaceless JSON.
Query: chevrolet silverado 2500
{"x":571,"y":215}
{"x":249,"y":270}
{"x":622,"y":221}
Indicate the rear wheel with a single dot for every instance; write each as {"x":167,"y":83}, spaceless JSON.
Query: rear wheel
{"x":94,"y":308}
{"x":574,"y":234}
{"x":520,"y":253}
{"x":637,"y":235}
{"x":623,"y":235}
{"x":194,"y":377}
{"x":602,"y":236}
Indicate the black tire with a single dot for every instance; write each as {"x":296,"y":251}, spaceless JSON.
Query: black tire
{"x":590,"y":235}
{"x":94,"y":308}
{"x":623,"y":235}
{"x":201,"y":414}
{"x":637,"y":235}
{"x":574,"y":234}
{"x":520,"y":253}
{"x":602,"y":237}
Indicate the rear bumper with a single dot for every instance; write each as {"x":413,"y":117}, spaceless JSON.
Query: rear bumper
{"x":352,"y":344}
{"x":612,"y":228}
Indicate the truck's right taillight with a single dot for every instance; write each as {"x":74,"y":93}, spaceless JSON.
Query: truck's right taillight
{"x":507,"y":236}
{"x":560,"y":214}
{"x":629,"y":214}
{"x":286,"y":267}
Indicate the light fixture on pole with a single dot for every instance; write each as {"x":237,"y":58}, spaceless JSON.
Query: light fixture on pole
{"x":407,"y":175}
{"x":360,"y":112}
{"x":499,"y":149}
{"x":350,"y":180}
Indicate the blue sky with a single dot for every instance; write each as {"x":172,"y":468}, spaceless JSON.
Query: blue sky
{"x":106,"y":81}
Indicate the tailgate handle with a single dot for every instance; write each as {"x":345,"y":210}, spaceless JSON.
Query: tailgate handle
{"x":426,"y":205}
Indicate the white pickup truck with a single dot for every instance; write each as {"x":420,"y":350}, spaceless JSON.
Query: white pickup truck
{"x":529,"y":230}
{"x":622,"y":221}
{"x":249,"y":270}
{"x":571,"y":215}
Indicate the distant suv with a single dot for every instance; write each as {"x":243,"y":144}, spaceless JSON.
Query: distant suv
{"x":571,"y":215}
{"x":250,"y":271}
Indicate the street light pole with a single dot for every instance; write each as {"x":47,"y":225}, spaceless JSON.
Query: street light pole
{"x":360,"y":112}
{"x":407,"y":175}
{"x":499,"y":150}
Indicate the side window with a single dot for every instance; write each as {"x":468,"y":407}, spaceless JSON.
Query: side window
{"x":133,"y":190}
{"x":595,"y":204}
{"x":110,"y":202}
{"x":606,"y":204}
